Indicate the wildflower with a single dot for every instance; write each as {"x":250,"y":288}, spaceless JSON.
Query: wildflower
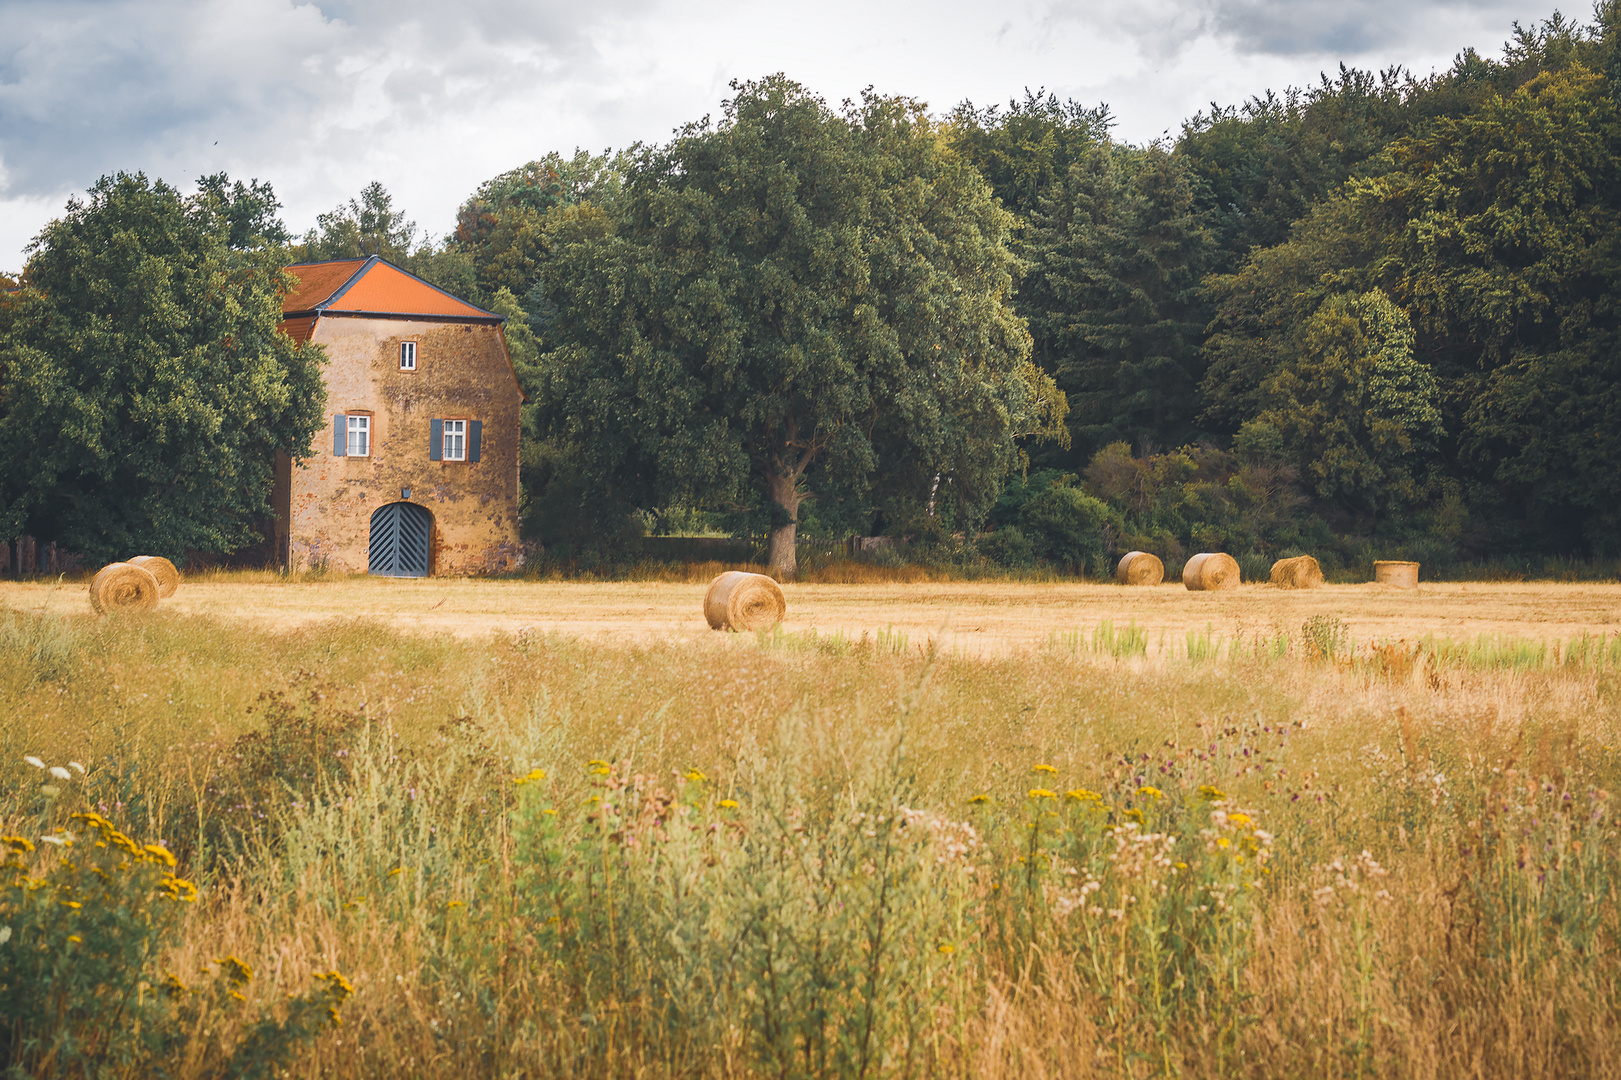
{"x":339,"y":987}
{"x":1151,"y":792}
{"x":178,"y":889}
{"x":395,"y":872}
{"x":75,"y":939}
{"x":19,"y":844}
{"x":1211,"y":794}
{"x":598,"y":767}
{"x":1042,"y":768}
{"x":235,"y":969}
{"x":172,"y":986}
{"x":1042,"y":793}
{"x":34,"y":761}
{"x":696,"y":776}
{"x":74,"y":904}
{"x":978,"y":799}
{"x":727,"y":804}
{"x":549,"y":810}
{"x":159,"y":854}
{"x":946,"y":947}
{"x":532,"y":774}
{"x":1239,"y":819}
{"x":1224,"y":843}
{"x":59,"y":841}
{"x":76,"y":767}
{"x":454,"y":904}
{"x":60,"y":773}
{"x":1080,"y":794}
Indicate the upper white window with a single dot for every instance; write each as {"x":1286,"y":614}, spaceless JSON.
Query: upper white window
{"x":408,"y":356}
{"x":455,"y":440}
{"x":359,"y":436}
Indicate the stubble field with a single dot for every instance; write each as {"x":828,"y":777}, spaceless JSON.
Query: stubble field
{"x":982,"y":829}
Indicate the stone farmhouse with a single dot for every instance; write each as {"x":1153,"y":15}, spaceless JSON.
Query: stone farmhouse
{"x":418,"y":473}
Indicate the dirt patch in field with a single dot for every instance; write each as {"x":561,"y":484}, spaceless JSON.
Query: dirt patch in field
{"x":976,"y":618}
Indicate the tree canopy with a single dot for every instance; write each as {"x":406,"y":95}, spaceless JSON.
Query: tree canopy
{"x":795,"y":303}
{"x":144,"y":387}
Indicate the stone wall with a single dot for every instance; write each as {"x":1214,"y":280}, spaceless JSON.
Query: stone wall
{"x":325,"y":503}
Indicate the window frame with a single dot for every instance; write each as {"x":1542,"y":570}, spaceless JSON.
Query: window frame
{"x":409,"y":345}
{"x":444,"y":439}
{"x":364,"y":428}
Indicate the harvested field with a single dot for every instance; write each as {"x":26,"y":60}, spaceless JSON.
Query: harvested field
{"x":975,"y":618}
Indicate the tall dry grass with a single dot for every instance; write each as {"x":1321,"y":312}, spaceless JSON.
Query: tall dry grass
{"x":817,"y":856}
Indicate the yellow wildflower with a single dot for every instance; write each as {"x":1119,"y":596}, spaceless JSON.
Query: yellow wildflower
{"x":75,"y":939}
{"x":1211,"y":794}
{"x":19,"y":844}
{"x":1042,"y":768}
{"x":235,"y":969}
{"x":1239,"y":819}
{"x":696,"y":776}
{"x":454,"y":904}
{"x":1042,"y":793}
{"x":977,"y":799}
{"x":74,"y":904}
{"x":727,"y":804}
{"x":1150,"y":792}
{"x":947,"y":948}
{"x":1224,"y":843}
{"x":159,"y":854}
{"x":1080,"y":794}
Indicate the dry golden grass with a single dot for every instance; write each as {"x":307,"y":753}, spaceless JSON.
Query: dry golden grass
{"x":1494,"y":953}
{"x":975,"y":618}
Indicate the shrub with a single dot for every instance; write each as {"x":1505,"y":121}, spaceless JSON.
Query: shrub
{"x":1070,"y":528}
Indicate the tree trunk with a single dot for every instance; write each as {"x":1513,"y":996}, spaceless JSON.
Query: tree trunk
{"x":784,"y":562}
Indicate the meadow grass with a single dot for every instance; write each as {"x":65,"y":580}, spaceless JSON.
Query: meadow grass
{"x":802,"y":854}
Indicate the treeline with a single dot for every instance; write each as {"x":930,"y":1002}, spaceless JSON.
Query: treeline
{"x":1374,"y":315}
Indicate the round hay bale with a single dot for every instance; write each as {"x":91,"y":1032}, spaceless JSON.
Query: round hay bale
{"x":120,"y":587}
{"x":1139,"y":568}
{"x":1210,"y":571}
{"x":162,"y":569}
{"x":1300,"y":572}
{"x":1403,"y":575}
{"x":741,"y":601}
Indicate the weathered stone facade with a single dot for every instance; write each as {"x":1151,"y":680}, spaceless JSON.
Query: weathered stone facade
{"x":325,"y":505}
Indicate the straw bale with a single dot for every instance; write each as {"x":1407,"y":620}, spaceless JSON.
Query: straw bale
{"x":1300,"y":572}
{"x":742,"y":601}
{"x":1140,"y":568}
{"x":162,"y":569}
{"x":120,"y":587}
{"x":1403,"y":575}
{"x":1209,"y":571}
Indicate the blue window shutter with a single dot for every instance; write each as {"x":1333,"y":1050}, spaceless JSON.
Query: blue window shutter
{"x":436,"y":440}
{"x":340,"y":434}
{"x":475,"y":436}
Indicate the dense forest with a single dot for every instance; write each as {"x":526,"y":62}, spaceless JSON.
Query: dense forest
{"x":1378,"y":314}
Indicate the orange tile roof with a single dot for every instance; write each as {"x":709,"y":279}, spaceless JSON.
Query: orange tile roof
{"x":317,"y":281}
{"x":372,"y":286}
{"x":298,"y":329}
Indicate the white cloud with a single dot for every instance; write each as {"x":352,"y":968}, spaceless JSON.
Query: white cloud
{"x":432,"y":98}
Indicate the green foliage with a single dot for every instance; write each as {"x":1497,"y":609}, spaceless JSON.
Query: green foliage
{"x":788,"y":304}
{"x":1072,"y":529}
{"x":362,"y":227}
{"x":83,"y":925}
{"x":1355,"y":408}
{"x":1024,"y":149}
{"x":1116,"y":252}
{"x":504,"y":228}
{"x":144,"y":387}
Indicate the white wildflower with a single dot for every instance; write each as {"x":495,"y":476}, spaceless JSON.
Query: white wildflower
{"x":34,"y":761}
{"x":61,"y":773}
{"x":76,"y":766}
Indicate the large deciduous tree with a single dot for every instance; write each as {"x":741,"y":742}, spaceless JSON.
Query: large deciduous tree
{"x":789,"y":302}
{"x":144,"y":386}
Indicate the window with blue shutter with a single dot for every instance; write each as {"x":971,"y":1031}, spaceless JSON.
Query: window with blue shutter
{"x":475,"y":437}
{"x":436,"y":440}
{"x":340,"y":434}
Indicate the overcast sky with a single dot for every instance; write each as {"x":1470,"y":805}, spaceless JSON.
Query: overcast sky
{"x":433,"y":96}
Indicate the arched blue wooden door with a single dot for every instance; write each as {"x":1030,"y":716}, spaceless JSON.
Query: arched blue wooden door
{"x":399,"y":540}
